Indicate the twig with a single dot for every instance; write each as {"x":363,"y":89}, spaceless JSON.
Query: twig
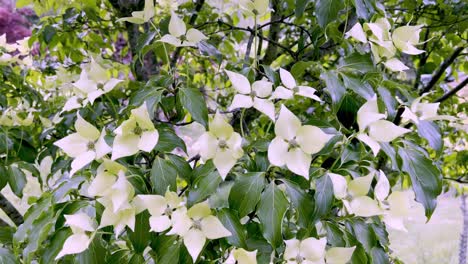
{"x":249,"y":48}
{"x":453,"y":91}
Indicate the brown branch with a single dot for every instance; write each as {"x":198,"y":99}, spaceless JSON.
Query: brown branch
{"x":10,"y":210}
{"x":271,"y":51}
{"x":453,"y":91}
{"x":441,"y":70}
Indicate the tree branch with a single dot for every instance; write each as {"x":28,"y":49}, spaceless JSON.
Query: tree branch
{"x":11,"y":211}
{"x":453,"y":91}
{"x":273,"y":34}
{"x":441,"y":70}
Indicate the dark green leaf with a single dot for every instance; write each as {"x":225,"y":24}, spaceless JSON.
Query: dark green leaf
{"x":323,"y":196}
{"x":334,"y":235}
{"x":246,"y":192}
{"x":379,"y":256}
{"x":204,"y":185}
{"x":209,"y":50}
{"x":326,"y":11}
{"x":425,"y":178}
{"x":7,"y":257}
{"x":231,"y":221}
{"x":271,"y":210}
{"x":17,"y":180}
{"x":302,"y":201}
{"x":95,"y":253}
{"x":195,"y":104}
{"x":361,"y":63}
{"x":181,"y":165}
{"x":334,"y":86}
{"x":365,"y":8}
{"x":4,"y":176}
{"x":6,"y":234}
{"x":359,"y":87}
{"x":389,"y":101}
{"x":168,"y":140}
{"x":300,"y":7}
{"x":120,"y":256}
{"x":431,"y":132}
{"x":167,"y":249}
{"x":56,"y":244}
{"x":149,"y":94}
{"x":163,"y":176}
{"x":364,"y":234}
{"x":140,"y":238}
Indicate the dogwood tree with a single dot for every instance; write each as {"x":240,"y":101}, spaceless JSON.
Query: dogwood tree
{"x":212,"y":131}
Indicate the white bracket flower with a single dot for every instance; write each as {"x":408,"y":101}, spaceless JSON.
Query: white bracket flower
{"x":106,"y":176}
{"x":242,"y":256}
{"x":140,"y":17}
{"x":160,"y":209}
{"x":179,"y":36}
{"x":79,"y":241}
{"x":369,"y":119}
{"x":294,"y":143}
{"x":406,"y":37}
{"x":195,"y":226}
{"x":424,"y":111}
{"x":309,"y":250}
{"x":251,"y":96}
{"x":136,"y":133}
{"x":291,"y":88}
{"x":119,"y":219}
{"x":86,"y":145}
{"x":221,"y":144}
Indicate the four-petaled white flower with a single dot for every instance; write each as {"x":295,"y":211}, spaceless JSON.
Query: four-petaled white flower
{"x":354,"y":194}
{"x":369,"y":119}
{"x":160,"y":208}
{"x":140,"y":17}
{"x":195,"y":226}
{"x":91,"y":85}
{"x":424,"y":111}
{"x":179,"y":36}
{"x":221,"y":144}
{"x":242,"y":256}
{"x":252,"y":96}
{"x":294,"y":143}
{"x":254,"y":8}
{"x":309,"y":250}
{"x":291,"y":88}
{"x":136,"y":133}
{"x":86,"y":145}
{"x":80,"y":223}
{"x":117,"y":218}
{"x":406,"y":37}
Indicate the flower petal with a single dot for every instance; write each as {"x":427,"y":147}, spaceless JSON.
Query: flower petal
{"x":220,"y":128}
{"x":357,"y":33}
{"x":199,"y":211}
{"x":213,"y":228}
{"x":287,"y":124}
{"x":142,"y":117}
{"x":360,"y":186}
{"x":195,"y":35}
{"x":298,"y":162}
{"x":73,"y":145}
{"x":277,"y":150}
{"x":396,"y":65}
{"x":208,"y":145}
{"x":156,"y":204}
{"x":245,"y":257}
{"x":339,"y":255}
{"x":265,"y":106}
{"x":368,"y":113}
{"x":85,"y":129}
{"x":382,"y":188}
{"x":224,"y":160}
{"x":194,"y":241}
{"x":102,"y":184}
{"x":309,"y":92}
{"x":340,"y":187}
{"x":169,"y":39}
{"x":110,"y":85}
{"x":148,"y":140}
{"x":79,"y":222}
{"x":177,"y":26}
{"x":159,"y":223}
{"x":74,"y":244}
{"x":292,"y":249}
{"x":365,"y":206}
{"x":81,"y":161}
{"x":287,"y":79}
{"x":282,"y":93}
{"x":374,"y":145}
{"x":239,"y":82}
{"x":101,"y":146}
{"x":311,"y":139}
{"x":313,"y":249}
{"x":241,"y":101}
{"x":125,"y":145}
{"x":262,"y":88}
{"x":386,"y":131}
{"x":181,"y":222}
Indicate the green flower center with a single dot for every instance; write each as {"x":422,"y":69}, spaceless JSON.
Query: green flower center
{"x":197,"y":224}
{"x":183,"y":38}
{"x":91,"y":146}
{"x":138,"y":131}
{"x":253,"y":94}
{"x":168,"y":211}
{"x":100,"y":86}
{"x":222,"y":144}
{"x":295,"y":89}
{"x":299,"y":259}
{"x":293,"y":143}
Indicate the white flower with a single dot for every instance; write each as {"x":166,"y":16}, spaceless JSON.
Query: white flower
{"x":90,"y":86}
{"x":424,"y":111}
{"x":221,"y":144}
{"x":339,"y":255}
{"x":86,"y":145}
{"x":136,"y":133}
{"x":125,"y":216}
{"x":357,"y":33}
{"x":291,"y":88}
{"x":80,"y":223}
{"x":398,"y":209}
{"x":294,"y":143}
{"x":354,"y":194}
{"x":195,"y":226}
{"x":242,"y":256}
{"x":106,"y":176}
{"x":309,"y":250}
{"x":254,"y":7}
{"x":140,"y":17}
{"x":369,"y":119}
{"x":160,"y":208}
{"x":179,"y":36}
{"x":251,"y":96}
{"x":406,"y":37}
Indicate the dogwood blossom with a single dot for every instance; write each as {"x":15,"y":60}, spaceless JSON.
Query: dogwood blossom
{"x":119,"y":219}
{"x":106,"y":176}
{"x":406,"y":37}
{"x":242,"y":256}
{"x":291,"y":88}
{"x":339,"y":255}
{"x":294,"y":143}
{"x":254,"y":7}
{"x":179,"y":36}
{"x":86,"y":145}
{"x":221,"y":144}
{"x":195,"y":225}
{"x":309,"y":250}
{"x":160,"y":208}
{"x":140,"y":17}
{"x":423,"y":111}
{"x":80,"y":224}
{"x":134,"y":134}
{"x":254,"y":95}
{"x":372,"y":129}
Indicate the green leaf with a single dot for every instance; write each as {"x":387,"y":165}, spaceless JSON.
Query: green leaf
{"x":167,"y":249}
{"x":4,"y":176}
{"x":56,"y":244}
{"x":431,"y":132}
{"x":302,"y":202}
{"x":120,"y":256}
{"x":379,"y":256}
{"x":231,"y":221}
{"x":334,"y":235}
{"x":356,"y":62}
{"x":246,"y":192}
{"x":326,"y":11}
{"x":300,"y":7}
{"x":204,"y":184}
{"x":323,"y":196}
{"x":364,"y":233}
{"x":389,"y":101}
{"x":7,"y":257}
{"x":163,"y":176}
{"x":181,"y":165}
{"x":17,"y":180}
{"x":425,"y":178}
{"x":359,"y":255}
{"x":194,"y":102}
{"x":334,"y":86}
{"x":6,"y":234}
{"x":140,"y":238}
{"x":168,"y":140}
{"x":361,"y":88}
{"x":95,"y":253}
{"x":365,"y":8}
{"x":209,"y":50}
{"x":149,"y":94}
{"x":220,"y":199}
{"x":271,"y":210}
